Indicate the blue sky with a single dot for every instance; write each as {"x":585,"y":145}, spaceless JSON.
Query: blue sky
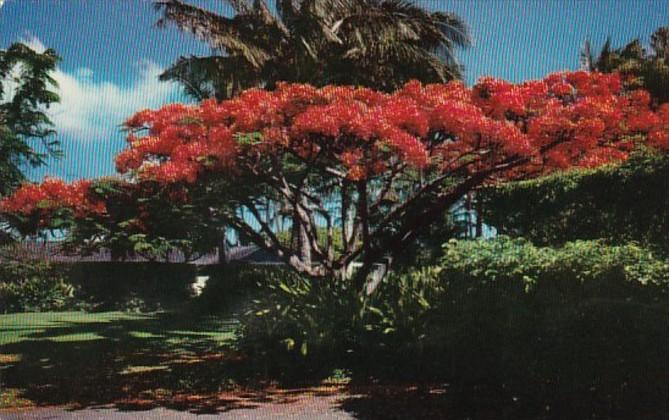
{"x":112,"y":54}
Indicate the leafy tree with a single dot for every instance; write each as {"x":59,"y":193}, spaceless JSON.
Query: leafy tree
{"x":375,"y":43}
{"x":380,"y":44}
{"x":642,"y":69}
{"x":25,"y":93}
{"x":392,"y":163}
{"x":659,"y":42}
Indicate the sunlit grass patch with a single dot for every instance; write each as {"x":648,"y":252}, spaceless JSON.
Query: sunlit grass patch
{"x":130,"y":370}
{"x":12,"y":398}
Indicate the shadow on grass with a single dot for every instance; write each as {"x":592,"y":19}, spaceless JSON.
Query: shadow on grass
{"x":189,"y":363}
{"x":132,"y":363}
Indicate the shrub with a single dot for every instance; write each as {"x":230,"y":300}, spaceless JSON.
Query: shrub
{"x":298,"y":327}
{"x":584,"y":327}
{"x":231,"y":286}
{"x":619,"y":203}
{"x":27,"y":285}
{"x":132,"y":286}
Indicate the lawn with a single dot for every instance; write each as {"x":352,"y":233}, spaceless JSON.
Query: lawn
{"x":94,"y":359}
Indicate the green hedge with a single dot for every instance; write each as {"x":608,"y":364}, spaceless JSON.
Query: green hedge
{"x":34,"y":285}
{"x":583,"y":329}
{"x":619,"y":203}
{"x":132,"y":286}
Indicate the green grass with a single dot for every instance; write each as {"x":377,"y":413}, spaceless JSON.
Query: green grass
{"x":88,"y":359}
{"x":82,"y":326}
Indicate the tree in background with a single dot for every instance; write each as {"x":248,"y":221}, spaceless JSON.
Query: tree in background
{"x":393,"y":162}
{"x":617,"y":203}
{"x":380,"y":44}
{"x":640,"y":68}
{"x":25,"y":94}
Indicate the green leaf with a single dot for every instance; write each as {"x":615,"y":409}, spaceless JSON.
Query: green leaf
{"x":289,"y":343}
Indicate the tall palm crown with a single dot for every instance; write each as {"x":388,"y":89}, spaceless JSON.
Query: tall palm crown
{"x":375,"y":43}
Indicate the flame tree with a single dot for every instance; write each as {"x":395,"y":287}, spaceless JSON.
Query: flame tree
{"x":364,"y":167}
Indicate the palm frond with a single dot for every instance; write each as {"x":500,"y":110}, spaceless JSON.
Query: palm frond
{"x":376,"y":27}
{"x":220,"y":32}
{"x":212,"y":77}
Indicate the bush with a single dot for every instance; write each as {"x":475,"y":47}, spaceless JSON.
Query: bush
{"x":298,"y":328}
{"x":584,"y":327}
{"x":132,"y":286}
{"x":230,"y":287}
{"x":27,"y":285}
{"x":619,"y":203}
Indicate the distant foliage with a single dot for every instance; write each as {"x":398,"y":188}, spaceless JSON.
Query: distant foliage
{"x":640,"y":68}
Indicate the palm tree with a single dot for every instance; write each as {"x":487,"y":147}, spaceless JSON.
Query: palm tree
{"x":376,"y":43}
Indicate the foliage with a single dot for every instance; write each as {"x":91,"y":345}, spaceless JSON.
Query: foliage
{"x":231,"y":286}
{"x":618,"y":203}
{"x":25,"y":84}
{"x":286,"y":236}
{"x":299,"y":327}
{"x":380,"y":44}
{"x":137,"y":221}
{"x":132,"y":286}
{"x":576,"y":328}
{"x":640,"y":68}
{"x":391,"y":163}
{"x":27,"y":285}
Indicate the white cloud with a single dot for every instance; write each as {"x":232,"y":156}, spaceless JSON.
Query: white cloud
{"x":91,"y":109}
{"x":85,"y":72}
{"x":33,"y":42}
{"x":2,"y":2}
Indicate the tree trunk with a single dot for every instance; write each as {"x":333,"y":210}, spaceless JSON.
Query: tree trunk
{"x":479,"y":218}
{"x":305,"y":246}
{"x":223,"y":251}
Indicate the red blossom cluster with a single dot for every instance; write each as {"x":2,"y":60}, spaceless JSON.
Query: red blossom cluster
{"x":363,"y":131}
{"x":40,"y":200}
{"x":565,"y":120}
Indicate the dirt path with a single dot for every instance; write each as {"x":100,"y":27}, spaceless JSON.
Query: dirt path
{"x":297,"y":406}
